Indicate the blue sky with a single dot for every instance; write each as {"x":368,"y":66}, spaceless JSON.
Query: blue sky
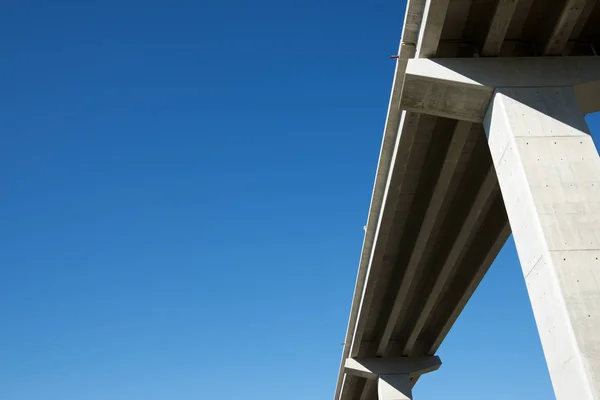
{"x":184,"y":189}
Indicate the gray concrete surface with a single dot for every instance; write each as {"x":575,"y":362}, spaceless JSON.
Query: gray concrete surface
{"x":462,"y":88}
{"x":549,"y":174}
{"x":438,"y":218}
{"x":394,"y":387}
{"x":393,"y":375}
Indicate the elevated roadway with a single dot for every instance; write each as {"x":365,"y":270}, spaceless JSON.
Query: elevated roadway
{"x":438,"y":217}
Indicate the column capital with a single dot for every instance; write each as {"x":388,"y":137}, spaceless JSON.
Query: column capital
{"x":462,"y":88}
{"x":372,"y":368}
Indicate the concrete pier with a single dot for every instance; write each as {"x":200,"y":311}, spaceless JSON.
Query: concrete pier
{"x":393,"y":375}
{"x":549,"y":174}
{"x":394,"y":387}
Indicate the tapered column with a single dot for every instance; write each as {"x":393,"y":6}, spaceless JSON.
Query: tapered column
{"x":549,"y":174}
{"x":394,"y":387}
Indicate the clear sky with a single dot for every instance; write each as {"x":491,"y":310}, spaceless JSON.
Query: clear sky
{"x":184,"y":186}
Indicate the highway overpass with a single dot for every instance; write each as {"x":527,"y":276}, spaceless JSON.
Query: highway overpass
{"x":484,"y":135}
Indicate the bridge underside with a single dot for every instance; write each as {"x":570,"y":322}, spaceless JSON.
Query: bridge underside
{"x":437,"y":218}
{"x":454,"y":258}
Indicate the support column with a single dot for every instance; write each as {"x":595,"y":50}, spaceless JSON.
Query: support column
{"x":393,"y":374}
{"x":549,"y":174}
{"x":394,"y":387}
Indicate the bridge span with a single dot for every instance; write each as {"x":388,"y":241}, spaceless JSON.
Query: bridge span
{"x":485,"y":135}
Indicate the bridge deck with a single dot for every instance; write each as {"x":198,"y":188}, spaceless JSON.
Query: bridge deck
{"x":437,"y":218}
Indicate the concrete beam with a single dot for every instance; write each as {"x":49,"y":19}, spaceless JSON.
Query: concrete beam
{"x":462,"y":88}
{"x":470,"y":228}
{"x":501,"y":236}
{"x":412,"y":21}
{"x":434,"y":16}
{"x":566,"y":22}
{"x":579,"y":26}
{"x":372,"y":368}
{"x":445,"y":186}
{"x":500,"y":22}
{"x":399,"y":165}
{"x":549,"y":174}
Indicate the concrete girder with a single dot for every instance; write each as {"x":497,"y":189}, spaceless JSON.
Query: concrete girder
{"x":434,"y":15}
{"x":439,"y":203}
{"x":399,"y":164}
{"x":462,"y":88}
{"x":503,"y":14}
{"x":412,"y":21}
{"x":564,"y":26}
{"x":579,"y":26}
{"x":500,"y":236}
{"x":470,"y":227}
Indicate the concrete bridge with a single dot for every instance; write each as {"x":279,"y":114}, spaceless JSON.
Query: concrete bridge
{"x":485,"y":134}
